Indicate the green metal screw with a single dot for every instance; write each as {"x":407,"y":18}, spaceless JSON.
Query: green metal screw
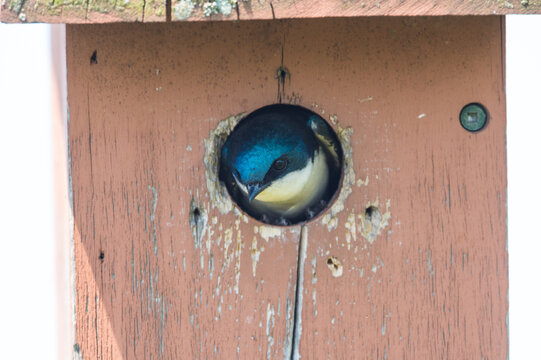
{"x":473,"y":117}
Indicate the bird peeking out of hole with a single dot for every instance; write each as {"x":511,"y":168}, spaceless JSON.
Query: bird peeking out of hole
{"x":282,"y":164}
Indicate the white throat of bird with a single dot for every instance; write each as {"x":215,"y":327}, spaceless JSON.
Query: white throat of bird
{"x":292,"y":193}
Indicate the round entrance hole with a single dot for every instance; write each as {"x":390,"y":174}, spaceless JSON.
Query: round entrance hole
{"x":282,"y":164}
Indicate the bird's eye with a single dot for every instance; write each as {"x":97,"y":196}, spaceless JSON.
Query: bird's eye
{"x":279,"y":164}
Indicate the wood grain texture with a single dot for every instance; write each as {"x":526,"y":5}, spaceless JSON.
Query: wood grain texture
{"x":82,"y":11}
{"x":138,"y":120}
{"x":431,"y":284}
{"x":105,"y":11}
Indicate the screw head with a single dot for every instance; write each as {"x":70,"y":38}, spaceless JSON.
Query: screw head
{"x":473,"y":117}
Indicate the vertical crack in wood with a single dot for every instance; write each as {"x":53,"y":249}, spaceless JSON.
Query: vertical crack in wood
{"x":297,"y":309}
{"x":282,"y":74}
{"x":89,"y":136}
{"x":86,"y":9}
{"x":272,"y":10}
{"x":143,"y":15}
{"x":280,"y":77}
{"x":167,"y":10}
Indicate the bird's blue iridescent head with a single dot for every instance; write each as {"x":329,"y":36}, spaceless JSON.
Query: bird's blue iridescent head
{"x":265,"y":146}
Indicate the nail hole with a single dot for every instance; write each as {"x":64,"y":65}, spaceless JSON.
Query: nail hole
{"x":335,"y":266}
{"x":372,"y":213}
{"x":373,"y":221}
{"x":198,"y":222}
{"x":102,"y":255}
{"x":282,"y":73}
{"x":94,"y":58}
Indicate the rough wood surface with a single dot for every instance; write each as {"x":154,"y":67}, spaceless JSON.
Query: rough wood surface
{"x":432,"y":283}
{"x":82,"y":11}
{"x":105,"y":11}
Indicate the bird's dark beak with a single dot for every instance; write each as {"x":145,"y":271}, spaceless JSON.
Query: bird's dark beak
{"x":253,"y":190}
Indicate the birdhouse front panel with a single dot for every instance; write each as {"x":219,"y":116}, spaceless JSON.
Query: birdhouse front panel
{"x":407,"y":260}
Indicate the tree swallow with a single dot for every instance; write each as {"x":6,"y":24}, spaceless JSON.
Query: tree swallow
{"x":282,"y":164}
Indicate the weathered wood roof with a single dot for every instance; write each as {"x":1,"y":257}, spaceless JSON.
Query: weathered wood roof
{"x":106,"y":11}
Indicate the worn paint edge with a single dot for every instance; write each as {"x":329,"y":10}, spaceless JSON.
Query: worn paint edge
{"x":218,"y":194}
{"x":330,"y":219}
{"x":75,"y":354}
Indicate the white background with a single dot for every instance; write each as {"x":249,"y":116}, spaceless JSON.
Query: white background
{"x":28,"y":317}
{"x":28,"y":283}
{"x":524,"y":184}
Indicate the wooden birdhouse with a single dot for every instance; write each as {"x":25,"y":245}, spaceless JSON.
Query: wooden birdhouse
{"x":408,"y":262}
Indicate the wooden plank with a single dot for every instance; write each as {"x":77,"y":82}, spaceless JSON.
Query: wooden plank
{"x":104,"y":11}
{"x":140,"y":110}
{"x":82,"y":11}
{"x":432,"y":283}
